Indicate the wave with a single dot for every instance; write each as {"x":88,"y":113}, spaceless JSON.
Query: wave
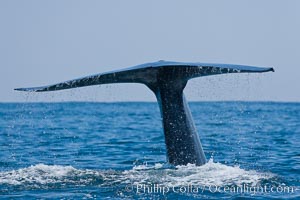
{"x":45,"y":176}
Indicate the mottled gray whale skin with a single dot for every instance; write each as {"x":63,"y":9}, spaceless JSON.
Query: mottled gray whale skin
{"x":167,"y":80}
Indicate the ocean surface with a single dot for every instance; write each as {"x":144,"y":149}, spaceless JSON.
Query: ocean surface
{"x":117,"y":151}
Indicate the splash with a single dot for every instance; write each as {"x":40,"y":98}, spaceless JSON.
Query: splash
{"x":209,"y":174}
{"x":55,"y":176}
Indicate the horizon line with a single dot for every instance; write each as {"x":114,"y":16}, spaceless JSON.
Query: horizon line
{"x":132,"y":101}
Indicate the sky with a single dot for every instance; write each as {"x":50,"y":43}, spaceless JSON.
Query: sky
{"x":45,"y":42}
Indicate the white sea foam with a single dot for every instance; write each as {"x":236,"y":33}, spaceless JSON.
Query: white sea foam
{"x":209,"y":174}
{"x":42,"y":174}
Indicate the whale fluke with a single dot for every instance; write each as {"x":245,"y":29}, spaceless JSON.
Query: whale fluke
{"x":167,"y":80}
{"x":147,"y":73}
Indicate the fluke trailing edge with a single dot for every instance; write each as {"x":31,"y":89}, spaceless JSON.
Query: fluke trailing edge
{"x":166,"y":80}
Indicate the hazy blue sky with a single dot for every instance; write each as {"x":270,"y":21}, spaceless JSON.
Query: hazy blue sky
{"x":44,"y":42}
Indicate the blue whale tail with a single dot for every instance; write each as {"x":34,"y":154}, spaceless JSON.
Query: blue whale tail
{"x":167,"y":80}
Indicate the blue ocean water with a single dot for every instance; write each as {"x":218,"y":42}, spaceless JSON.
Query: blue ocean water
{"x":116,"y":150}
